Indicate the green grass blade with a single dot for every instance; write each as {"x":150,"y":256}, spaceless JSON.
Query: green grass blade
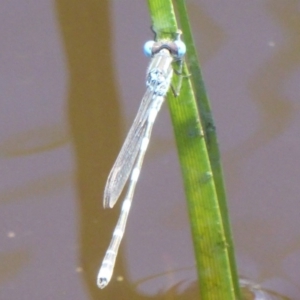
{"x":209,"y":237}
{"x":210,"y":133}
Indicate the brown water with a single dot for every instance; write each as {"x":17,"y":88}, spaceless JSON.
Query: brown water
{"x":72,"y":76}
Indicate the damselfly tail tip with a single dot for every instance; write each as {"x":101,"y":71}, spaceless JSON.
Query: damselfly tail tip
{"x":102,"y":283}
{"x":104,"y":275}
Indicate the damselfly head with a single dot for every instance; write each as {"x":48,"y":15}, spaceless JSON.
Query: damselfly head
{"x":177,"y":47}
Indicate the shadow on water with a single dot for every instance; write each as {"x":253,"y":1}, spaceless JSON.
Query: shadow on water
{"x":95,"y":130}
{"x":93,"y":114}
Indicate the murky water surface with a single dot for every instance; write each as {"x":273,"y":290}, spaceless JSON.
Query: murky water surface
{"x":72,"y":76}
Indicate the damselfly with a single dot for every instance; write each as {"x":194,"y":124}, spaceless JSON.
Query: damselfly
{"x":130,"y":159}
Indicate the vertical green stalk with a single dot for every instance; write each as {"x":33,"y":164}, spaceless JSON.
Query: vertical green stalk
{"x":211,"y":237}
{"x":210,"y":134}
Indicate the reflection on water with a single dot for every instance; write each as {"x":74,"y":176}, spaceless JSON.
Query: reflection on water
{"x":189,"y":289}
{"x":42,"y":138}
{"x":252,"y":291}
{"x":36,"y":187}
{"x":173,"y":282}
{"x":267,"y":84}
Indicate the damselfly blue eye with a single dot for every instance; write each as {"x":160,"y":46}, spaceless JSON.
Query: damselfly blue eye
{"x":181,"y":48}
{"x":148,"y":48}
